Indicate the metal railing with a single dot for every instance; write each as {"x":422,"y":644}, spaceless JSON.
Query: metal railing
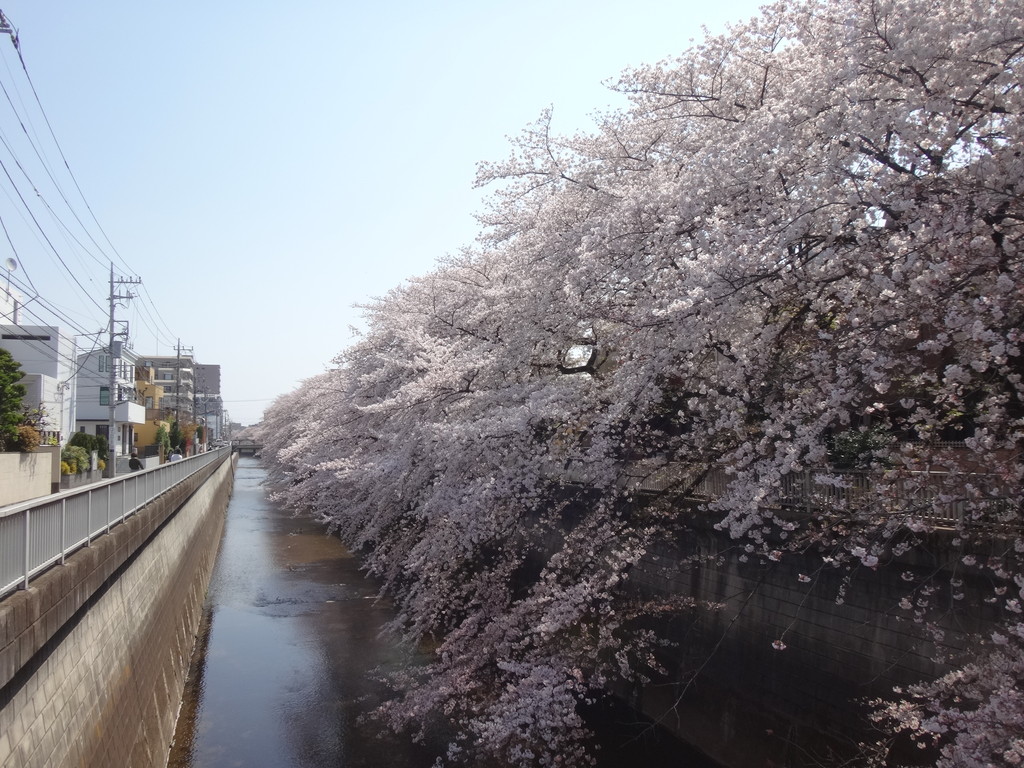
{"x":37,"y":534}
{"x":936,"y":497}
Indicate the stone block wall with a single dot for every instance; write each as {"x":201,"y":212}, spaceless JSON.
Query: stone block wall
{"x":93,"y":656}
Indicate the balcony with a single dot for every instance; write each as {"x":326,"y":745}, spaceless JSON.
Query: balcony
{"x":159,"y":414}
{"x":130,"y":413}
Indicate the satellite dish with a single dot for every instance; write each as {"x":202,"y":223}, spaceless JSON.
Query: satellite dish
{"x":11,"y":264}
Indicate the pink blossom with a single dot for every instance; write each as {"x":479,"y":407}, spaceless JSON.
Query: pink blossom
{"x":737,"y":282}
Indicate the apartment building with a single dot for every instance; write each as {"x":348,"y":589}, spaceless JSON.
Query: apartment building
{"x":209,"y":405}
{"x":176,"y":375}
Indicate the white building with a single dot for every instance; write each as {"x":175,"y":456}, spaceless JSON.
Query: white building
{"x":94,"y":398}
{"x":47,"y":358}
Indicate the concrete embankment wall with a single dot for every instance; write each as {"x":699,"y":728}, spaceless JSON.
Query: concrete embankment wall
{"x":747,"y":703}
{"x":93,"y":656}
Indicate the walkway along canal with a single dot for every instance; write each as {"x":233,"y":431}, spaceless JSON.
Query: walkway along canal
{"x":287,"y":659}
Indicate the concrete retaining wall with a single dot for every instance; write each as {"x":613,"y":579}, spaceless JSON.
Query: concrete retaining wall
{"x":93,"y":656}
{"x":25,"y":476}
{"x":747,"y":704}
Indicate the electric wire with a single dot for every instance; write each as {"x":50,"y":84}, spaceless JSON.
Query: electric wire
{"x":35,"y":145}
{"x":153,"y":320}
{"x":51,"y":307}
{"x":41,"y":321}
{"x":46,"y":237}
{"x":142,"y":313}
{"x":67,"y":232}
{"x":60,"y":151}
{"x":46,"y":203}
{"x":75,"y":363}
{"x":56,"y":312}
{"x":158,"y":316}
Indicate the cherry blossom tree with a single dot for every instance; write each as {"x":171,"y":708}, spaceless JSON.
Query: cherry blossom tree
{"x":802,"y":234}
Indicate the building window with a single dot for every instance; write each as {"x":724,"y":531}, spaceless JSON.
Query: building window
{"x":104,"y":395}
{"x":149,"y":402}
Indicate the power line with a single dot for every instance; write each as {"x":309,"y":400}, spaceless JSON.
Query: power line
{"x":78,"y":246}
{"x":46,"y":238}
{"x":4,"y":22}
{"x":48,"y":305}
{"x":149,"y":316}
{"x":45,"y":323}
{"x":34,"y":144}
{"x":152,"y":304}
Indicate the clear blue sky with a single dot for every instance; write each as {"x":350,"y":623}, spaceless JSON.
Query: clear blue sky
{"x":263,"y":167}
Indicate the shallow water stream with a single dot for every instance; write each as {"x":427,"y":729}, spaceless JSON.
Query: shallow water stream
{"x":285,"y":664}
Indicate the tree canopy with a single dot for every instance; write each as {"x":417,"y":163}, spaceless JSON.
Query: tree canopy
{"x":11,"y":396}
{"x":803,"y":235}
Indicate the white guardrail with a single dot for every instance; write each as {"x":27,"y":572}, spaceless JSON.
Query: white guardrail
{"x":39,"y":533}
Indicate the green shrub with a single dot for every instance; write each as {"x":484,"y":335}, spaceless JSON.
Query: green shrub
{"x":76,"y":457}
{"x":65,"y":468}
{"x":90,"y":443}
{"x":83,"y":440}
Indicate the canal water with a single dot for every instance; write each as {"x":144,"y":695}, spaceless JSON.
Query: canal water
{"x":290,"y":651}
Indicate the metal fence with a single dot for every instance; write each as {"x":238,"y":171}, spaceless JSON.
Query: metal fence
{"x":937,"y":497}
{"x":39,"y":533}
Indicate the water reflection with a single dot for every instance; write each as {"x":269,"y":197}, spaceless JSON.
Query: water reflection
{"x":286,"y":661}
{"x":292,"y":640}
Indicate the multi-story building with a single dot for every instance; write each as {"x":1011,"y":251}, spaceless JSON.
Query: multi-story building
{"x":209,"y":405}
{"x":47,"y":359}
{"x":95,"y":397}
{"x":176,"y":374}
{"x":150,"y":394}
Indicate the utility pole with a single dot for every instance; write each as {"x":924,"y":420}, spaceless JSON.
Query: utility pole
{"x":178,"y":385}
{"x":178,"y":381}
{"x":114,"y":348}
{"x":177,"y":389}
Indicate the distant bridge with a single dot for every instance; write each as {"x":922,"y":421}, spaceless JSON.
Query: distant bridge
{"x":246,"y":447}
